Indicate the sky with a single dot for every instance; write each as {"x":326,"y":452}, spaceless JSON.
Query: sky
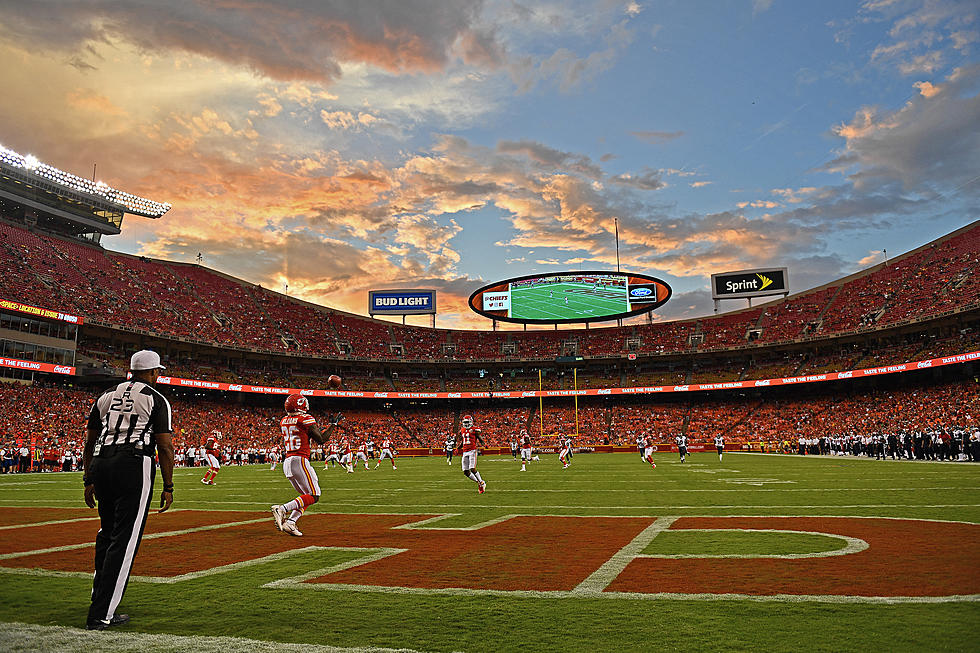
{"x":330,"y":148}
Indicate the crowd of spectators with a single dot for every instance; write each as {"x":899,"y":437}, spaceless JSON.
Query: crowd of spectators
{"x":49,"y":422}
{"x":192,"y":302}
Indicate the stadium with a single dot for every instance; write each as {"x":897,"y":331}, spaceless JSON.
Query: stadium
{"x":798,"y":473}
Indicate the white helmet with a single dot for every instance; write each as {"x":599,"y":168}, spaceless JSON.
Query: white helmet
{"x":467,"y":421}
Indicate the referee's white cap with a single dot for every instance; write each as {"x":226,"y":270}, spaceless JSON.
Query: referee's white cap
{"x":145,"y":360}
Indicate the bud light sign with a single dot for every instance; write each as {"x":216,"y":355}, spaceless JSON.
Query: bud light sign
{"x":402,"y":302}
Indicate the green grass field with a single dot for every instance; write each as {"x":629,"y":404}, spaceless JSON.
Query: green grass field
{"x":506,"y":594}
{"x":547,"y":301}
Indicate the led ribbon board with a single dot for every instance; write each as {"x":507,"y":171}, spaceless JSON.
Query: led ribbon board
{"x":568,"y":297}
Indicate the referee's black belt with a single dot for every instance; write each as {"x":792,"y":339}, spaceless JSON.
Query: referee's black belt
{"x":129,"y":449}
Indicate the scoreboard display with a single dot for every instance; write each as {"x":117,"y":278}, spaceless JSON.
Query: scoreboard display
{"x":567,"y":297}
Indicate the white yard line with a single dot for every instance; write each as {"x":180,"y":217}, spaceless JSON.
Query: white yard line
{"x":851,"y":545}
{"x":151,"y":536}
{"x":33,"y":638}
{"x":614,"y":566}
{"x":48,"y":523}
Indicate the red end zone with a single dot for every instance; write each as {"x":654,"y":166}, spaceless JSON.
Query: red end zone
{"x":904,"y":558}
{"x":566,"y":556}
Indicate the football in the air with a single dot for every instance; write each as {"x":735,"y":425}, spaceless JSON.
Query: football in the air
{"x":334,"y":381}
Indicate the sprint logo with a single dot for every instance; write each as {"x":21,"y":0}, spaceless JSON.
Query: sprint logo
{"x":766,"y":281}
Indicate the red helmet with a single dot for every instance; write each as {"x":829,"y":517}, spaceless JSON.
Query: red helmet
{"x":297,"y":404}
{"x":467,"y":421}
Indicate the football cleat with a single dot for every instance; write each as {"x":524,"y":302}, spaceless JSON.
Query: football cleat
{"x":393,"y":467}
{"x":204,"y":480}
{"x":482,"y":487}
{"x":279,"y":514}
{"x":290,"y":527}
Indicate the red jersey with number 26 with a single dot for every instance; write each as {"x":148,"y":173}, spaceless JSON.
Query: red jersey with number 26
{"x":468,"y":439}
{"x":296,"y":434}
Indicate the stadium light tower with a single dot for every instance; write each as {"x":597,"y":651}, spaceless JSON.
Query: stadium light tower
{"x":85,"y":207}
{"x":616,"y":225}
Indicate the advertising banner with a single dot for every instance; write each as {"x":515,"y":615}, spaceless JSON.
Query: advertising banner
{"x":402,"y":302}
{"x":592,"y":392}
{"x":36,"y":366}
{"x":39,"y":312}
{"x":750,"y":283}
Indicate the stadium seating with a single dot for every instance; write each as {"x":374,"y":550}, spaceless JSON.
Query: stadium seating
{"x":51,"y":413}
{"x":191,"y":302}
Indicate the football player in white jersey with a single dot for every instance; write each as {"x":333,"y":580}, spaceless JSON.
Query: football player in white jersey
{"x":720,"y":445}
{"x":450,"y":447}
{"x":682,"y":446}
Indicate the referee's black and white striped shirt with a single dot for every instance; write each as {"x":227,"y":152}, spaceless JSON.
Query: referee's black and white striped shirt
{"x":130,"y":413}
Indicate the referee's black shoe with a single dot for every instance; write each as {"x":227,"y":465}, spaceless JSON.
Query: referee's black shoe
{"x":117,"y":620}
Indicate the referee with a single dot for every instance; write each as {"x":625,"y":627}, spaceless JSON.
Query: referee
{"x":127,"y":424}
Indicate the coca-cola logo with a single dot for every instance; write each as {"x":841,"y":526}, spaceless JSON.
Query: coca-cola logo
{"x":922,"y":364}
{"x":235,"y":388}
{"x":760,"y":384}
{"x":381,"y":395}
{"x":681,"y":388}
{"x":62,"y":369}
{"x":845,"y":375}
{"x":454,"y":395}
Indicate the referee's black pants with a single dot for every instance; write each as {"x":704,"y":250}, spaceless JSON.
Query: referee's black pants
{"x":123,"y":487}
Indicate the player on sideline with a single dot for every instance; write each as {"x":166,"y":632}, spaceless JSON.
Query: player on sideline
{"x":565,"y":453}
{"x":469,"y":443}
{"x":273,"y":458}
{"x":298,"y":427}
{"x":450,"y":447}
{"x":212,"y":454}
{"x":386,"y":453}
{"x":682,"y":446}
{"x":720,"y":445}
{"x":525,"y":449}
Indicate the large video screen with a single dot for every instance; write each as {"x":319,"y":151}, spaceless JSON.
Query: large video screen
{"x":565,"y":297}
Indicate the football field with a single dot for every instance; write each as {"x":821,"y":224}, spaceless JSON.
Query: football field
{"x":756,"y":552}
{"x":566,"y":301}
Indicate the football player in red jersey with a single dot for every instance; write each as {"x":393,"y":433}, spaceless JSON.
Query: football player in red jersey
{"x":212,"y":455}
{"x":346,"y":456}
{"x":469,"y":443}
{"x":298,"y":428}
{"x":361,"y":454}
{"x":526,"y":450}
{"x":386,"y":452}
{"x":333,"y":458}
